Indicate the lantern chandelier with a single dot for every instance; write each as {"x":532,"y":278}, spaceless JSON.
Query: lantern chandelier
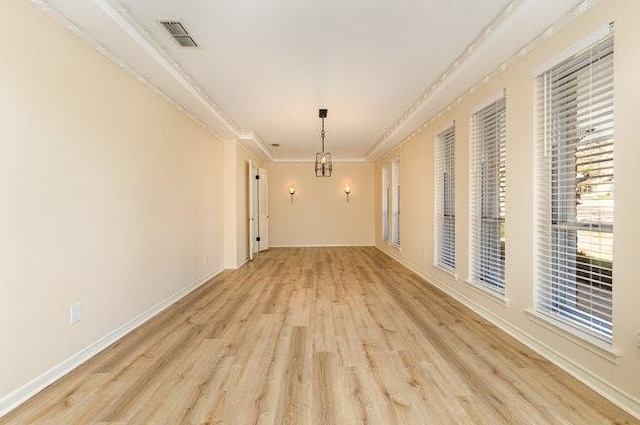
{"x":323,"y":160}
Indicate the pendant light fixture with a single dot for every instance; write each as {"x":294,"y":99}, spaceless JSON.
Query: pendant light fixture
{"x":323,"y":160}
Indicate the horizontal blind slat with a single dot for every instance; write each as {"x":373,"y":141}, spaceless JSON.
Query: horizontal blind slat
{"x":445,"y":199}
{"x":488,"y":187}
{"x":385,"y":203}
{"x":575,"y":184}
{"x":395,"y":201}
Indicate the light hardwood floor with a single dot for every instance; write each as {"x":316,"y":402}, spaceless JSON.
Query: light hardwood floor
{"x":318,"y":336}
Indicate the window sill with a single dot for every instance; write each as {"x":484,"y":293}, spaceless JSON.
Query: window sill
{"x":582,"y":339}
{"x":488,"y":293}
{"x":448,"y":272}
{"x":390,"y":245}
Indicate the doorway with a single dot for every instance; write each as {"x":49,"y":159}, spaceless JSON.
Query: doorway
{"x":258,"y":210}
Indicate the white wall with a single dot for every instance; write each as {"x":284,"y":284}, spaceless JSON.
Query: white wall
{"x":618,"y":378}
{"x":320,"y":214}
{"x":109,"y":196}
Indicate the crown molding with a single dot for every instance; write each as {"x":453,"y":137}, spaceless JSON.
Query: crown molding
{"x":123,"y":19}
{"x":254,"y":144}
{"x":248,"y":139}
{"x":391,"y":139}
{"x":420,"y":114}
{"x":120,"y":15}
{"x":312,"y":161}
{"x":74,"y":29}
{"x":445,"y":79}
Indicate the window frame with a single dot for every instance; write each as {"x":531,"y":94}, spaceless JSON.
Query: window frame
{"x":444,"y":203}
{"x":562,"y":284}
{"x":487,"y":195}
{"x":385,"y":199}
{"x":395,"y":203}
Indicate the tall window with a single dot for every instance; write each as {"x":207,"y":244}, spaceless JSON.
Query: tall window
{"x":575,"y":191}
{"x":445,"y":200}
{"x":386,"y":186}
{"x":488,"y":183}
{"x":395,"y":201}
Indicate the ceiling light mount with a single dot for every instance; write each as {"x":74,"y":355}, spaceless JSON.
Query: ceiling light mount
{"x":323,"y":167}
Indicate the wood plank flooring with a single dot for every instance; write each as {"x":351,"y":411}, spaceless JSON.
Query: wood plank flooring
{"x":318,"y":336}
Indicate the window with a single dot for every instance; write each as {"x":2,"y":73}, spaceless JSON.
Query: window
{"x":575,"y":191}
{"x":391,"y":202}
{"x":488,"y":183}
{"x":445,"y":200}
{"x":385,"y":202}
{"x":395,"y":202}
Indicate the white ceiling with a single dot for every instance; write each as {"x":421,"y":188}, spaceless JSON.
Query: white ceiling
{"x":263,"y":68}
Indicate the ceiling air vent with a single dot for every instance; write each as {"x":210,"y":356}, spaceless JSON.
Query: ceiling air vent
{"x":179,"y":33}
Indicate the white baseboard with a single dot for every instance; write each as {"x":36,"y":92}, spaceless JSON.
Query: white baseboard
{"x":319,"y":246}
{"x":617,"y":396}
{"x":22,"y":394}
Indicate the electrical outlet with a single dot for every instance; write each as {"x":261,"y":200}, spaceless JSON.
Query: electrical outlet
{"x":75,"y":313}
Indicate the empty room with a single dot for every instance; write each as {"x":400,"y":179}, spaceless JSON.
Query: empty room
{"x":332,"y":212}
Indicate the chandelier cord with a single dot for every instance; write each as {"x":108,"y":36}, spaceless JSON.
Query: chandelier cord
{"x":323,"y":165}
{"x":322,"y":136}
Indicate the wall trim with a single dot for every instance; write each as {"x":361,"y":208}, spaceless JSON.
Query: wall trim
{"x":487,"y":101}
{"x":438,"y":131}
{"x":584,"y":43}
{"x":320,"y":245}
{"x":385,"y":144}
{"x":251,"y":138}
{"x":311,"y":160}
{"x":488,"y":293}
{"x":241,"y":263}
{"x":31,"y":388}
{"x":619,"y":397}
{"x":65,"y":23}
{"x":585,"y":340}
{"x":120,"y":16}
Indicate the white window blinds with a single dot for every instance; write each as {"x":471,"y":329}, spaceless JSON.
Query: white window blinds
{"x":488,"y":184}
{"x":395,"y":201}
{"x":575,"y":191}
{"x":445,"y":200}
{"x":385,"y":202}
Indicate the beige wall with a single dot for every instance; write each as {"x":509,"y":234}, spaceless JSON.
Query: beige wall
{"x":109,"y":196}
{"x":230,"y":207}
{"x":619,"y":378}
{"x":320,"y":214}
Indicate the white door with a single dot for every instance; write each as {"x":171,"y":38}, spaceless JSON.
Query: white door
{"x":253,"y":222}
{"x":263,"y":210}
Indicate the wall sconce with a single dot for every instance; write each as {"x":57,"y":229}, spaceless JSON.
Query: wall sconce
{"x":292,"y":191}
{"x":347,"y":191}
